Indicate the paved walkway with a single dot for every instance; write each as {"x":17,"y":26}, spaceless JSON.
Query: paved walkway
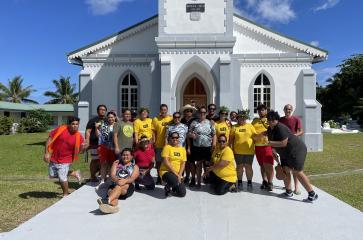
{"x":200,"y":215}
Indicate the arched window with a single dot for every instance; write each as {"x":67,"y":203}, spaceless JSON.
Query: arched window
{"x":129,"y":93}
{"x":261,"y":92}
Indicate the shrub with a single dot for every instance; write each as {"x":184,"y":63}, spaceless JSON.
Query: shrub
{"x":5,"y":125}
{"x":36,"y":121}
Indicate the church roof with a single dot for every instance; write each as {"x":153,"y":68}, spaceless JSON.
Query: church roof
{"x":318,"y":53}
{"x":10,"y":106}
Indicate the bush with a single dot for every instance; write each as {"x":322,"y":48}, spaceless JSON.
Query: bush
{"x":36,"y":121}
{"x":5,"y":125}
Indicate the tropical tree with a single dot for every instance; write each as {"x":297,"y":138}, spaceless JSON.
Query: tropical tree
{"x":65,"y":92}
{"x":15,"y":92}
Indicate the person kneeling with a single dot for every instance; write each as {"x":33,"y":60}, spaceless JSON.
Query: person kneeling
{"x":123,"y":174}
{"x":172,"y":168}
{"x":222,"y":175}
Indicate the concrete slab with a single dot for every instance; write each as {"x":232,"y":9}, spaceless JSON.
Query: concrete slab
{"x":200,"y":215}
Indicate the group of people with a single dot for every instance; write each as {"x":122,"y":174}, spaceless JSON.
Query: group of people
{"x":190,"y":147}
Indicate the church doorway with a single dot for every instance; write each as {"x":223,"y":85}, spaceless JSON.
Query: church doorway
{"x":195,"y":91}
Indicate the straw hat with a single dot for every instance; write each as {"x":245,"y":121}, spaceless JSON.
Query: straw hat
{"x":188,"y":106}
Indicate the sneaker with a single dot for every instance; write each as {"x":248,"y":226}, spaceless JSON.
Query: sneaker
{"x":312,"y":197}
{"x":107,"y":208}
{"x":102,"y":201}
{"x":79,"y":177}
{"x":288,"y":194}
{"x":137,"y":186}
{"x":192,"y":182}
{"x":167,"y":190}
{"x":263,"y":185}
{"x":186,"y":180}
{"x":199,"y":185}
{"x":249,"y":185}
{"x":233,"y":188}
{"x":270,"y":187}
{"x":240,"y":186}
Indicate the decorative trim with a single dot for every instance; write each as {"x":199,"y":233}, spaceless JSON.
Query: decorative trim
{"x":276,"y":65}
{"x":110,"y":65}
{"x":196,"y":51}
{"x":253,"y":27}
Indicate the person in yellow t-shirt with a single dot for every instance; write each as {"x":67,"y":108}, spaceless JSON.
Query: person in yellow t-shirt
{"x":241,"y":141}
{"x":222,"y":174}
{"x":143,"y":126}
{"x":262,"y":149}
{"x":172,"y":167}
{"x":160,"y":124}
{"x":223,"y":126}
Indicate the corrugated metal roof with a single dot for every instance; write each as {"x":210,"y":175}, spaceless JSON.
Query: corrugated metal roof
{"x":27,"y":107}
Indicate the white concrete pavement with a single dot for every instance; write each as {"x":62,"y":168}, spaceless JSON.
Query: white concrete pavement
{"x":200,"y":215}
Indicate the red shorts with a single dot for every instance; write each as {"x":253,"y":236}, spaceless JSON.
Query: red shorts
{"x":106,"y":155}
{"x":264,"y":155}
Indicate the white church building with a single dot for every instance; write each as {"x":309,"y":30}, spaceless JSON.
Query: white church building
{"x":200,"y":50}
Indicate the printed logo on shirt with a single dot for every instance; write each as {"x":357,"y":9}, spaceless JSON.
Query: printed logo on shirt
{"x":223,"y":129}
{"x":128,"y":130}
{"x":145,"y":126}
{"x":176,"y":154}
{"x":242,"y":130}
{"x":217,"y":155}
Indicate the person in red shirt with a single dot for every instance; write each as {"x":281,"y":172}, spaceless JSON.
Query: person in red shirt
{"x":295,"y":126}
{"x":144,"y":157}
{"x":63,"y":146}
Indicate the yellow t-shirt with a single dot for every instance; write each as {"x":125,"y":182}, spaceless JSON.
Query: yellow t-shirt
{"x":242,"y":139}
{"x":222,"y":127}
{"x":143,"y":128}
{"x":260,"y":125}
{"x":228,"y":173}
{"x":160,"y":125}
{"x":176,"y":156}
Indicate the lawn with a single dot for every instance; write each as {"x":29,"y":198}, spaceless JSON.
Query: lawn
{"x":26,"y":190}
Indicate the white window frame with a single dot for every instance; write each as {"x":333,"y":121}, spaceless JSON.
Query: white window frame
{"x":262,"y":93}
{"x":129,"y":88}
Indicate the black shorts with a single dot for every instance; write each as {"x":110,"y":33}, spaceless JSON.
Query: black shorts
{"x":201,"y":153}
{"x":129,"y":193}
{"x":295,"y":159}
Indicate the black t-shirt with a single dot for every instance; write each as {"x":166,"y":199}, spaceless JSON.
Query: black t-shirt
{"x":93,"y":140}
{"x":281,"y":132}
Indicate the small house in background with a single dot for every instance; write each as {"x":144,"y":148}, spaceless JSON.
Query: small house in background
{"x":59,"y":112}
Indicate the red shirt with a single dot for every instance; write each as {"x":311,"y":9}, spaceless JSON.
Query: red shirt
{"x":63,"y":147}
{"x":144,"y":159}
{"x":293,"y":123}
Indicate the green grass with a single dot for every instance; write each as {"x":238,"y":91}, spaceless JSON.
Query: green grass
{"x":24,"y":185}
{"x":26,"y":190}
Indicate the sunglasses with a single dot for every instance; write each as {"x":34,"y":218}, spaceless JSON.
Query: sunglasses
{"x":223,"y":113}
{"x":177,"y":117}
{"x":188,"y":110}
{"x":212,"y":109}
{"x":222,"y":141}
{"x":174,"y":137}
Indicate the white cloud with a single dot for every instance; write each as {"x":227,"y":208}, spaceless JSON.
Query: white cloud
{"x":314,"y":43}
{"x":268,"y":10}
{"x":103,"y":7}
{"x":327,"y":4}
{"x":324,"y":74}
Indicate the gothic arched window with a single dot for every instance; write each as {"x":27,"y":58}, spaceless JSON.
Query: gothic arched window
{"x":261,"y":92}
{"x":129,"y":93}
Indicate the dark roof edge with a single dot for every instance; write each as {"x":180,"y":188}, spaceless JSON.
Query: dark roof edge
{"x":112,"y":35}
{"x":283,"y":35}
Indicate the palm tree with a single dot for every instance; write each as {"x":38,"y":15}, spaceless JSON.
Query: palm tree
{"x":65,"y":92}
{"x":15,"y":92}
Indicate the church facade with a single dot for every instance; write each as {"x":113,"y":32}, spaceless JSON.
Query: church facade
{"x":200,"y":50}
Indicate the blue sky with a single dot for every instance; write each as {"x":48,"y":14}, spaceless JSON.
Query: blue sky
{"x":35,"y":35}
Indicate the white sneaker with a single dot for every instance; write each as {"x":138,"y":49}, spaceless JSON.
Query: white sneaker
{"x":107,"y":208}
{"x":79,"y":177}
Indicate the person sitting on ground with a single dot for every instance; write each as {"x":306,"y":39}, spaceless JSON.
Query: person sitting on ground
{"x":292,"y":151}
{"x":144,"y":157}
{"x":92,"y":141}
{"x":242,"y":142}
{"x":172,"y":167}
{"x":124,"y":172}
{"x":295,"y":126}
{"x":63,"y":146}
{"x":223,"y":125}
{"x":222,"y":175}
{"x":104,"y":132}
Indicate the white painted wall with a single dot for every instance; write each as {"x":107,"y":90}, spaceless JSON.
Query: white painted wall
{"x":178,"y":20}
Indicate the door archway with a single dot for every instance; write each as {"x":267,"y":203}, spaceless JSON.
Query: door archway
{"x":195,"y":91}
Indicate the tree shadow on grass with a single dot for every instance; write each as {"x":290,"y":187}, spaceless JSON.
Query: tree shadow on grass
{"x":71,"y":185}
{"x":39,"y":194}
{"x":42,"y":143}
